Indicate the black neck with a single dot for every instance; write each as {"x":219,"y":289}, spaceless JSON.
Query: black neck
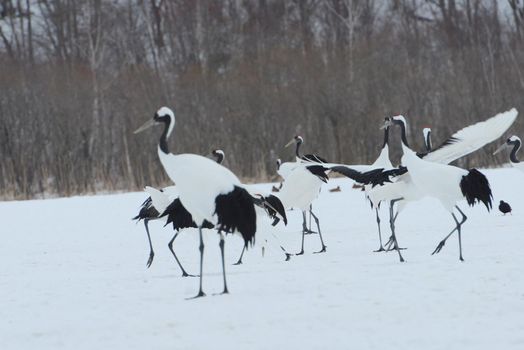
{"x":403,"y":135}
{"x":220,"y":158}
{"x":428,"y":141}
{"x":386,"y":136}
{"x":513,"y":154}
{"x":163,"y":138}
{"x":297,"y":151}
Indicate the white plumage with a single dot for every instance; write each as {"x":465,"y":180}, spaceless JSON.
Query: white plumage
{"x":199,"y":181}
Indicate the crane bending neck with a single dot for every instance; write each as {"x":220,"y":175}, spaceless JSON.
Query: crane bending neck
{"x":513,"y":154}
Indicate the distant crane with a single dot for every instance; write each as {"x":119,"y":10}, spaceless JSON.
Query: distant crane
{"x":514,"y":143}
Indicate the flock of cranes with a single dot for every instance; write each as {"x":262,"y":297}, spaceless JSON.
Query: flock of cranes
{"x":207,"y":195}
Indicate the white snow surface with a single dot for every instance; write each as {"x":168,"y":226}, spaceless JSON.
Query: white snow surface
{"x":73,"y":276}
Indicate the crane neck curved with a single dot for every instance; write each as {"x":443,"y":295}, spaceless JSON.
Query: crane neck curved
{"x":514,"y":150}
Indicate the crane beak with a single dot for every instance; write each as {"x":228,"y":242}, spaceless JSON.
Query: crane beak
{"x":146,"y":125}
{"x":500,"y":148}
{"x":386,"y":124}
{"x":290,"y":143}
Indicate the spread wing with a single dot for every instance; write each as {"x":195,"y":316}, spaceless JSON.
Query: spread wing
{"x":471,"y":138}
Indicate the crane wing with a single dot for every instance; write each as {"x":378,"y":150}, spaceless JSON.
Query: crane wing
{"x":472,"y":138}
{"x":367,"y":176}
{"x":160,"y":200}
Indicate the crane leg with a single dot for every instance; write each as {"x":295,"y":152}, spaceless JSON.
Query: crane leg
{"x":221,"y":244}
{"x":201,"y":248}
{"x":307,"y":230}
{"x":392,"y":219}
{"x":389,"y":243}
{"x":458,"y":229}
{"x":170,"y":245}
{"x":288,"y":256}
{"x":381,"y":249}
{"x":151,"y":252}
{"x":241,"y":255}
{"x":319,"y":233}
{"x":303,"y":233}
{"x":464,"y":218}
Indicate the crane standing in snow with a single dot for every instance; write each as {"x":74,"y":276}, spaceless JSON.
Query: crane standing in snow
{"x":207,"y":190}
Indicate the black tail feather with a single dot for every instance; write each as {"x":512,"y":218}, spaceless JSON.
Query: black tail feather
{"x":236,"y":212}
{"x":273,"y":205}
{"x":475,"y":187}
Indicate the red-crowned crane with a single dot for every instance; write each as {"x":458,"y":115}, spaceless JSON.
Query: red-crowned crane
{"x":207,"y":190}
{"x":447,"y":183}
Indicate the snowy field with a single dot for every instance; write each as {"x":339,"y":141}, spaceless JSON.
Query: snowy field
{"x":73,"y":276}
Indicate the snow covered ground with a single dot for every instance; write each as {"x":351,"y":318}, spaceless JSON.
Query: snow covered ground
{"x":73,"y":276}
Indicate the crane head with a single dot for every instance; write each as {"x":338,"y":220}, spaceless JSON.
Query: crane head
{"x":219,"y":155}
{"x":163,"y":115}
{"x":510,"y":142}
{"x":297,"y":140}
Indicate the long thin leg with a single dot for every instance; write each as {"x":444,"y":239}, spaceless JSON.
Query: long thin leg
{"x":389,"y":243}
{"x":392,"y":219}
{"x":241,"y":255}
{"x":319,"y":233}
{"x":464,"y":218}
{"x":275,"y":240}
{"x":151,"y":252}
{"x":288,"y":256}
{"x":307,"y":230}
{"x":457,"y":228}
{"x":170,"y":245}
{"x":310,"y":215}
{"x":201,"y":248}
{"x":381,"y":249}
{"x":303,"y":233}
{"x":221,"y":244}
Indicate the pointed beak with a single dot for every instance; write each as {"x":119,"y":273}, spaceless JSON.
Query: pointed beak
{"x":500,"y":148}
{"x":146,"y":125}
{"x":290,"y":143}
{"x":386,"y":124}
